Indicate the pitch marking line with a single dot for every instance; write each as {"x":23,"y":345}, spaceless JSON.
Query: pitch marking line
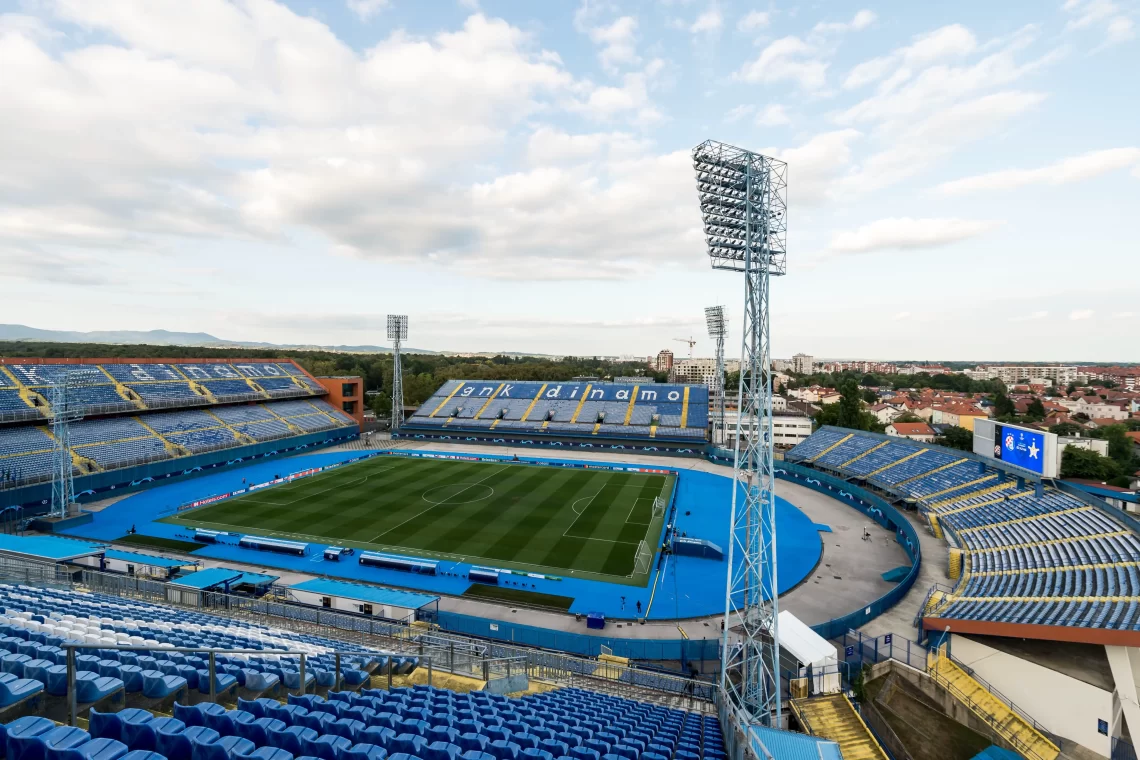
{"x":635,"y":503}
{"x":588,"y":499}
{"x":316,"y":493}
{"x":433,"y":506}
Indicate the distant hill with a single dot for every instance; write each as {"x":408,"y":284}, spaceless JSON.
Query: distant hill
{"x":168,"y":338}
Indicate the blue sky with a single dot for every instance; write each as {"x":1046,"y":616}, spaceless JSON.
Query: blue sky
{"x":515,"y":175}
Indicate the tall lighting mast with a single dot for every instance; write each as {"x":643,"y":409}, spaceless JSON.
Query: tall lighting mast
{"x":743,"y":200}
{"x":397,"y":333}
{"x":714,"y":318}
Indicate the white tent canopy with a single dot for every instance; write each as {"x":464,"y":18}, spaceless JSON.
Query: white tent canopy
{"x":810,"y":649}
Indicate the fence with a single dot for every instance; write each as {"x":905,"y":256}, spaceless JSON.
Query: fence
{"x":873,"y":507}
{"x":873,"y":650}
{"x":444,"y":650}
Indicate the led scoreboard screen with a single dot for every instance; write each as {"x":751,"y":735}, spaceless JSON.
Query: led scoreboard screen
{"x":1019,"y":447}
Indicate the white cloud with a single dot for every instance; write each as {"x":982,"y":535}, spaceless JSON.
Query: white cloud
{"x":739,"y":112}
{"x":907,"y":234}
{"x":1120,"y":29}
{"x":618,"y":43}
{"x":899,"y":316}
{"x":1031,"y":317}
{"x":709,"y":22}
{"x":1062,"y":172}
{"x":754,"y":20}
{"x":1078,"y":314}
{"x":858,"y":22}
{"x":951,"y":41}
{"x":787,"y":59}
{"x":1124,"y":314}
{"x":1088,"y":14}
{"x":366,"y":9}
{"x":773,"y":115}
{"x":818,"y":163}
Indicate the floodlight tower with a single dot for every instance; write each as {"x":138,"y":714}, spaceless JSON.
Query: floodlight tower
{"x":743,"y":199}
{"x":714,"y":317}
{"x":397,"y":333}
{"x":65,"y":409}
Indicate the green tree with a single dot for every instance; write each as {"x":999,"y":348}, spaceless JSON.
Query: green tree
{"x":1084,"y":463}
{"x":908,"y":417}
{"x":1065,"y":428}
{"x":956,"y":438}
{"x":870,"y":397}
{"x":1071,"y":389}
{"x":1120,"y":447}
{"x":1003,"y":406}
{"x":850,"y":404}
{"x":1036,"y":410}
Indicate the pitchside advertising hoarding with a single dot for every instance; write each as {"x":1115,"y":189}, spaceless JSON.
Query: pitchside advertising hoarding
{"x":1032,"y":450}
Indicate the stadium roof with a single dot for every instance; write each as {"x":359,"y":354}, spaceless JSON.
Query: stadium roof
{"x":363,"y":593}
{"x":773,"y":744}
{"x":208,"y":578}
{"x":50,"y":548}
{"x":146,"y":559}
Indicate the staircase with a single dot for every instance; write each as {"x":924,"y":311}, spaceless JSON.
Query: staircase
{"x":833,"y":717}
{"x":239,"y":436}
{"x":124,"y":392}
{"x":1013,"y":727}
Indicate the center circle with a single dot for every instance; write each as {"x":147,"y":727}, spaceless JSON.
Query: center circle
{"x":467,"y":493}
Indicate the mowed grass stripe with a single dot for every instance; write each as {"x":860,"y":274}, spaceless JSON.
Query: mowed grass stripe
{"x":621,"y":562}
{"x":368,"y":514}
{"x":528,"y":522}
{"x":342,"y":511}
{"x":534,"y":524}
{"x":464,"y":524}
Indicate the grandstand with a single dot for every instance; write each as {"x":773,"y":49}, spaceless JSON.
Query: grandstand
{"x":143,"y":413}
{"x":350,"y":720}
{"x":614,"y":411}
{"x":1032,"y":559}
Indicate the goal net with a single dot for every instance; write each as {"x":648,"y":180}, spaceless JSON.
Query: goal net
{"x":658,"y":507}
{"x":643,"y":559}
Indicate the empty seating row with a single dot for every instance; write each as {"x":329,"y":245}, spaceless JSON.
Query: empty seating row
{"x":1033,"y":554}
{"x":25,"y":451}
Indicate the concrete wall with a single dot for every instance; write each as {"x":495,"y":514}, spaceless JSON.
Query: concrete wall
{"x":1064,"y":705}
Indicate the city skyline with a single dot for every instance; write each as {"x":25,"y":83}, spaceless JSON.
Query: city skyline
{"x":517,"y":178}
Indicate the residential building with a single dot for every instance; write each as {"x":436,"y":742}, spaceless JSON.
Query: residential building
{"x":803,"y":364}
{"x":781,"y":365}
{"x":1099,"y":445}
{"x":929,"y":369}
{"x":1124,"y":377}
{"x":701,"y":371}
{"x":1011,"y":374}
{"x":788,"y":429}
{"x":1096,"y":407}
{"x":959,"y":414}
{"x":885,"y":413}
{"x":916,"y":431}
{"x":664,"y":361}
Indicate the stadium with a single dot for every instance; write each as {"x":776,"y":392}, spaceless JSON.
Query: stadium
{"x":213,"y":559}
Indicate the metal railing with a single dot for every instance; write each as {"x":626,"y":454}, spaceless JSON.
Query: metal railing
{"x":990,"y":719}
{"x":462,"y":655}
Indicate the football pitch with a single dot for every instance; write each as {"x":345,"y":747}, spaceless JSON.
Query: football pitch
{"x":562,"y":521}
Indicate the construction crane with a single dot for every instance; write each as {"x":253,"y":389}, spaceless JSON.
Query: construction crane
{"x":691,"y":343}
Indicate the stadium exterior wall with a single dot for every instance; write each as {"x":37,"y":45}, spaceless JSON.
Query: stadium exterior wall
{"x":37,"y":499}
{"x":871,"y":505}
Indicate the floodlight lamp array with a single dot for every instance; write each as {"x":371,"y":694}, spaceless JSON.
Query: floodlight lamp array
{"x":714,"y":318}
{"x":743,"y":198}
{"x":397,"y":327}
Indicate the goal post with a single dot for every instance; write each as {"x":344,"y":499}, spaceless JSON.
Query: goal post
{"x":658,"y":507}
{"x":642,"y":559}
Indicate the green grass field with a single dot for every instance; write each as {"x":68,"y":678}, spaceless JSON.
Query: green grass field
{"x":562,"y":521}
